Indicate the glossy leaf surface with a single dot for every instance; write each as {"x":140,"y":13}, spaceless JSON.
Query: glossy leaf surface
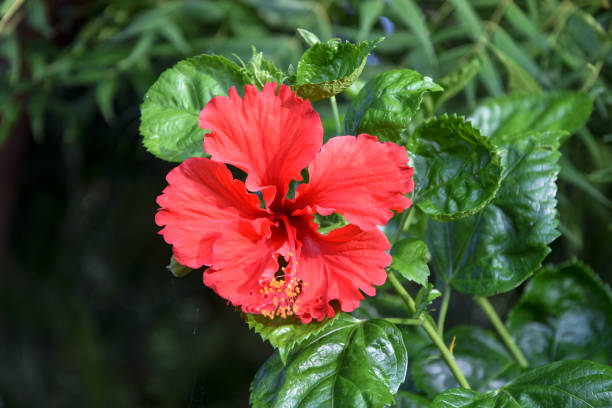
{"x":351,"y":362}
{"x":571,"y":383}
{"x":457,"y":171}
{"x":410,"y":258}
{"x":328,"y":68}
{"x":386,"y":103}
{"x":284,"y":334}
{"x":169,"y":114}
{"x":564,"y":313}
{"x":563,"y":110}
{"x":484,"y":361}
{"x":502,"y":245}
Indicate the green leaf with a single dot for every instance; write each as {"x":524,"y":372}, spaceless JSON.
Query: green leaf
{"x":561,"y":384}
{"x":310,"y":38}
{"x":386,"y":103}
{"x":169,"y":114}
{"x":502,"y":245}
{"x":351,"y":363}
{"x":455,"y":81}
{"x":424,"y":297}
{"x":484,"y":361}
{"x":405,"y":399}
{"x":564,"y":110}
{"x":564,"y":313}
{"x":410,"y":14}
{"x":457,"y":171}
{"x":177,"y":269}
{"x":261,"y":71}
{"x":284,"y":334}
{"x":328,"y":68}
{"x":410,"y":258}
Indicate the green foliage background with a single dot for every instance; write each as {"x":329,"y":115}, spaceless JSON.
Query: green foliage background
{"x":88,"y":314}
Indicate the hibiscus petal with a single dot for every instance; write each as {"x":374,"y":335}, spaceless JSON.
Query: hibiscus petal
{"x":337,"y":266}
{"x":271,"y":137}
{"x":201,"y":203}
{"x":361,"y":178}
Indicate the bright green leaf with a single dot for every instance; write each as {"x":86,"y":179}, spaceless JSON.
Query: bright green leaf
{"x":457,"y":171}
{"x":564,"y":110}
{"x":351,"y":363}
{"x":328,"y":68}
{"x":386,"y":103}
{"x":310,"y":38}
{"x":427,"y":294}
{"x":498,"y":248}
{"x":410,"y":258}
{"x":564,"y":313}
{"x":169,"y":114}
{"x":484,"y":361}
{"x":561,"y":384}
{"x":284,"y":334}
{"x":261,"y":71}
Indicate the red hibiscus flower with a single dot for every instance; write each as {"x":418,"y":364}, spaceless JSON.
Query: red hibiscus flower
{"x":267,"y":256}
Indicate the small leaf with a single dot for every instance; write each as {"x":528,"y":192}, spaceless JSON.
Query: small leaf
{"x":284,"y":334}
{"x":562,"y":384}
{"x":410,"y":258}
{"x":564,"y":110}
{"x":502,"y":245}
{"x":564,"y":313}
{"x":424,"y":297}
{"x":169,"y":114}
{"x":261,"y":71}
{"x":351,"y":363}
{"x":310,"y":38}
{"x":457,"y":171}
{"x":485,"y":362}
{"x":328,"y":68}
{"x":177,"y":269}
{"x":386,"y":103}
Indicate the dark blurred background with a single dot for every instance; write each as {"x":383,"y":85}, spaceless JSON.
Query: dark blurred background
{"x":89,"y":316}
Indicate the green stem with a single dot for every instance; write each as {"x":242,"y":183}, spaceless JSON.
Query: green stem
{"x":334,"y":106}
{"x":409,"y":322}
{"x":484,"y":303}
{"x":405,"y":220}
{"x":443,"y":309}
{"x":430,"y":328}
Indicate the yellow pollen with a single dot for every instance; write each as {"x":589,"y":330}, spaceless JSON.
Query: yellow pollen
{"x":285,"y":297}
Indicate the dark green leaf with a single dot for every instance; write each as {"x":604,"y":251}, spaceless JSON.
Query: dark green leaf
{"x":177,"y":269}
{"x":410,"y":258}
{"x":457,"y":171}
{"x":424,"y":297}
{"x":482,"y":358}
{"x":564,"y":110}
{"x":502,"y":245}
{"x":564,"y":313}
{"x":561,"y":384}
{"x":328,"y":68}
{"x":351,"y":363}
{"x":386,"y":103}
{"x":169,"y":114}
{"x":404,"y":399}
{"x":284,"y":334}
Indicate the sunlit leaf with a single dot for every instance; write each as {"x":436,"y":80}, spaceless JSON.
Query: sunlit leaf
{"x":169,"y":114}
{"x":351,"y":363}
{"x":386,"y":103}
{"x":410,"y":258}
{"x":328,"y":68}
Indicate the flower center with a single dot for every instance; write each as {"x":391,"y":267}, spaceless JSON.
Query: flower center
{"x":283,"y":290}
